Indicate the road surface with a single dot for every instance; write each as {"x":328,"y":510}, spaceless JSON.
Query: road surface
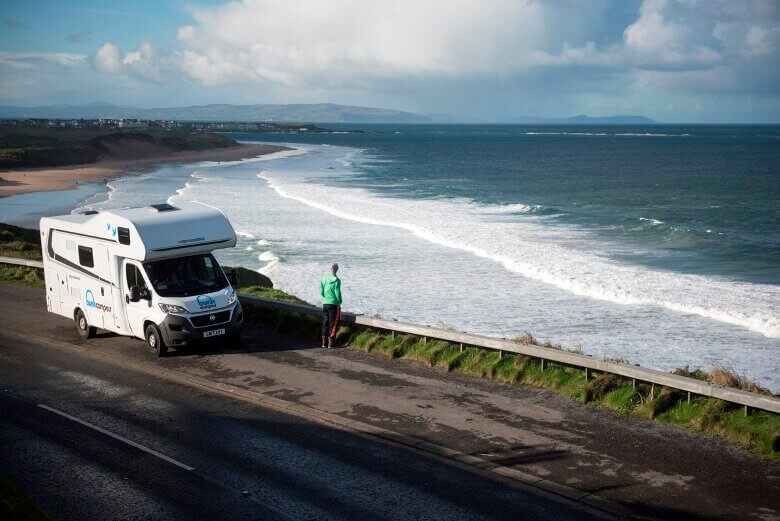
{"x":90,"y":441}
{"x":655,"y":470}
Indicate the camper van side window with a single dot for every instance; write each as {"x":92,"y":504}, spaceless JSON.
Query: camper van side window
{"x":85,"y":257}
{"x":134,"y":277}
{"x":124,"y":235}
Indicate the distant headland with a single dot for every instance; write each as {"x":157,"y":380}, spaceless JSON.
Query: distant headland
{"x":294,"y":113}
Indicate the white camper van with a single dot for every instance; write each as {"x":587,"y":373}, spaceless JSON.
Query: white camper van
{"x":144,"y":272}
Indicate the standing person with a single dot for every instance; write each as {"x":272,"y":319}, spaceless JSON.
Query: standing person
{"x":330,"y":291}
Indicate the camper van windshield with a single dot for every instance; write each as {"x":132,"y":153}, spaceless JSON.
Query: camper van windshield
{"x":186,"y":276}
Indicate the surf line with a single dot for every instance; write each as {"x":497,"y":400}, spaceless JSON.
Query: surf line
{"x":766,"y":326}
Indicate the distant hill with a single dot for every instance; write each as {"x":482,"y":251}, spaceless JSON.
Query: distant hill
{"x":38,"y":146}
{"x":587,"y":120}
{"x":309,"y":113}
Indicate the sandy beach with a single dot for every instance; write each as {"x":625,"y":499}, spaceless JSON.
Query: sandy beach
{"x":15,"y":182}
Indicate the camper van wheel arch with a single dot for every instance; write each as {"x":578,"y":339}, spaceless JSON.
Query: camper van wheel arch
{"x":83,"y":327}
{"x":154,"y":340}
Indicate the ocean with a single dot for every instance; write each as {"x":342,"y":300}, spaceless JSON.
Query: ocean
{"x":658,"y":245}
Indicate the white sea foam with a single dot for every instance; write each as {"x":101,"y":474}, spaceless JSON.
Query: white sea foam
{"x":245,"y":234}
{"x":622,"y":134}
{"x":516,"y":246}
{"x":269,"y":258}
{"x":651,"y":220}
{"x":523,"y":274}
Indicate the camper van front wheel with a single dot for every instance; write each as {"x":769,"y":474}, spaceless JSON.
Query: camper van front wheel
{"x":154,"y":341}
{"x":85,"y":330}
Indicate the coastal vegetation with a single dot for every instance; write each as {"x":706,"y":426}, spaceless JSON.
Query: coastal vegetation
{"x":22,"y":243}
{"x":34,"y":146}
{"x":759,"y":431}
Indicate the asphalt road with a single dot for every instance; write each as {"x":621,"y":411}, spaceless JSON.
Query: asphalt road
{"x":90,"y":441}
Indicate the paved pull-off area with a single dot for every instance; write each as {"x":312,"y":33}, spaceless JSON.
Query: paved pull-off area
{"x":89,"y":431}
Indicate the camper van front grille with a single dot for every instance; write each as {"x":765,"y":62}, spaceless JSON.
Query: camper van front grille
{"x":205,"y":320}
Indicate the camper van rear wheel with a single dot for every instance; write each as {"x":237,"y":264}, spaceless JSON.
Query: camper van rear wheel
{"x":154,"y":341}
{"x":83,"y":327}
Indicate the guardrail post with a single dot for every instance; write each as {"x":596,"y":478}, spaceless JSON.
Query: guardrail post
{"x":587,"y":374}
{"x":500,"y":354}
{"x":689,"y":397}
{"x":542,"y":360}
{"x":392,"y":335}
{"x":746,"y":410}
{"x":633,"y":383}
{"x":652,"y":391}
{"x":425,"y":340}
{"x":461,"y":347}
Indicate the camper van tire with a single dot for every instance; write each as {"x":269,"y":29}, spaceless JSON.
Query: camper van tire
{"x":84,"y":329}
{"x":154,"y":341}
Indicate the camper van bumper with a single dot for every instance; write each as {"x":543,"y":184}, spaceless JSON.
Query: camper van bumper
{"x":179,"y":331}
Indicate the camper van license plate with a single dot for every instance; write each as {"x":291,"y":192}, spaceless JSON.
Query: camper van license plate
{"x":214,"y":332}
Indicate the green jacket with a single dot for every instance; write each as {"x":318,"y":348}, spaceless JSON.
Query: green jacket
{"x":330,"y":289}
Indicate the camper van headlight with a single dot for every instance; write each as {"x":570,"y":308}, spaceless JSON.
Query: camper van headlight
{"x":231,"y":298}
{"x":172,"y":308}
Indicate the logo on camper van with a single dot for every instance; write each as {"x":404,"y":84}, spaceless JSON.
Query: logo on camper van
{"x":89,"y":298}
{"x":112,"y":229}
{"x":190,"y":241}
{"x":206,"y":302}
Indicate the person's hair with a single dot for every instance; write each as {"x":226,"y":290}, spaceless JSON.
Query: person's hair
{"x":334,"y":268}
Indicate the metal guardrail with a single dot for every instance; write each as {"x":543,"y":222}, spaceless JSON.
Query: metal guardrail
{"x":21,"y":262}
{"x":587,"y":363}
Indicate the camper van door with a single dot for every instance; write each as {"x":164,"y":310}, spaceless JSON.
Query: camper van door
{"x":138,"y":311}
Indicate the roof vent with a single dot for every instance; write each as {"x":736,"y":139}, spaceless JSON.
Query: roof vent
{"x":90,"y":212}
{"x":164,"y":207}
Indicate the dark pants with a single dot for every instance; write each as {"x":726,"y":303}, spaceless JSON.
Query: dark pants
{"x":330,"y":322}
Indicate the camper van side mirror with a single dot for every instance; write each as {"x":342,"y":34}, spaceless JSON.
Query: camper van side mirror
{"x":138,"y":293}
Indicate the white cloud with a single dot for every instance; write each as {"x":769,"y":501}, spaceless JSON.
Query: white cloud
{"x":456,"y":55}
{"x":351,"y":42}
{"x":108,"y":59}
{"x":143,"y":63}
{"x":31,"y":60}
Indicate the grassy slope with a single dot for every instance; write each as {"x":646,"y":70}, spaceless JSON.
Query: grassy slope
{"x":24,"y":243}
{"x":759,"y":432}
{"x":23,"y":146}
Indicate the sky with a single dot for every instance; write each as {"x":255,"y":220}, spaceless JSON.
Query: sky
{"x":489,"y":60}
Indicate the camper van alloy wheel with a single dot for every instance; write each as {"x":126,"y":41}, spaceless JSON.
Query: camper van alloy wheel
{"x":154,"y":341}
{"x":83,"y":327}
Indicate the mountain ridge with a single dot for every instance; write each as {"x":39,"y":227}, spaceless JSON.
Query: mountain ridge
{"x":283,"y":113}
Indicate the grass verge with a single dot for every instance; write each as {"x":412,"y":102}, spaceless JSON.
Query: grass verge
{"x":758,"y":432}
{"x":21,"y":275}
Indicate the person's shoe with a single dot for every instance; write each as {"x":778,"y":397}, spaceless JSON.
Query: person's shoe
{"x":330,"y":343}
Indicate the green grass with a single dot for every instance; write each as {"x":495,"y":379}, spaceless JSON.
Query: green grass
{"x":21,"y":275}
{"x":25,"y":244}
{"x":759,"y":432}
{"x":19,"y":242}
{"x":28,"y":146}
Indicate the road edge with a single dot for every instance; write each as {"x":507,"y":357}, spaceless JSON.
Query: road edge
{"x":473,"y":463}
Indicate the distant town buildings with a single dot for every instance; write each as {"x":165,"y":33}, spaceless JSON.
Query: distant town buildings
{"x":139,"y":124}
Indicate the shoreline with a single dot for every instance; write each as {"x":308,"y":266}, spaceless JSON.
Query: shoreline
{"x":24,"y":181}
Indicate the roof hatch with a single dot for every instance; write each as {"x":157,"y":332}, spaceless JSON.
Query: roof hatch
{"x":163,"y":207}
